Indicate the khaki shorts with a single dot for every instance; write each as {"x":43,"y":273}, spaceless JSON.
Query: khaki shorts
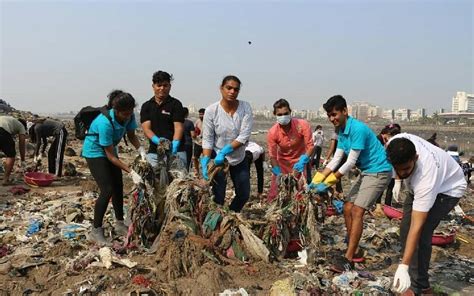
{"x":367,"y":188}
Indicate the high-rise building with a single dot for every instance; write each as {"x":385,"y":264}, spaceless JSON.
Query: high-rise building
{"x":402,"y":114}
{"x":462,"y":102}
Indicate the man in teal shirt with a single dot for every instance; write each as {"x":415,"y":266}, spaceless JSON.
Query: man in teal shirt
{"x":363,"y":150}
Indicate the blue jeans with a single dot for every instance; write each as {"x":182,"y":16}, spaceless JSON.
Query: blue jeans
{"x":240,"y":175}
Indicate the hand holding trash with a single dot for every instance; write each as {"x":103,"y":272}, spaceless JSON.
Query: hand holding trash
{"x":302,"y":161}
{"x":136,"y":178}
{"x":219,"y":160}
{"x":155,"y":139}
{"x":325,"y":162}
{"x":204,"y":162}
{"x":142,"y":153}
{"x":401,"y":281}
{"x":318,"y":188}
{"x":174,"y":147}
{"x":396,"y":190}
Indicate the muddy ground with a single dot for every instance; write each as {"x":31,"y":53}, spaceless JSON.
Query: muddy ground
{"x":37,"y":265}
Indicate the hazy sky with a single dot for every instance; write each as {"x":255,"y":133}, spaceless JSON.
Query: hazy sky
{"x":60,"y":56}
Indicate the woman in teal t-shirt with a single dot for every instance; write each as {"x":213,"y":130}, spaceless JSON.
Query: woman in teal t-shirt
{"x":100,"y":152}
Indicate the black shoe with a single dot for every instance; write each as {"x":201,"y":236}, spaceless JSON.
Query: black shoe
{"x":341,"y":264}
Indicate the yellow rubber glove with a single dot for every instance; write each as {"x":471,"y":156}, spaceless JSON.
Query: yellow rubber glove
{"x":318,"y":178}
{"x":330,"y":180}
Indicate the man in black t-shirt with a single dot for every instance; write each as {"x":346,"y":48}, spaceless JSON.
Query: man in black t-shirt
{"x":162,"y":117}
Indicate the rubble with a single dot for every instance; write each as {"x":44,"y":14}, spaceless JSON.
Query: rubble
{"x":180,"y":242}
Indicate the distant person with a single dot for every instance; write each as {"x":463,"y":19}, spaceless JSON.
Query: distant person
{"x":162,"y":117}
{"x":318,"y":139}
{"x":360,"y":144}
{"x":255,"y":154}
{"x":39,"y":132}
{"x":435,"y":184}
{"x":188,"y":136}
{"x":9,"y":128}
{"x":197,"y":148}
{"x":290,"y":144}
{"x":101,"y":154}
{"x":226,"y":130}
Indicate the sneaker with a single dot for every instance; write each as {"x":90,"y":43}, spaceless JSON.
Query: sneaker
{"x":341,"y":264}
{"x":120,"y":228}
{"x":97,"y":235}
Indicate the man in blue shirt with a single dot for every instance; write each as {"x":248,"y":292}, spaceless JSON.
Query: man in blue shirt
{"x":360,"y":144}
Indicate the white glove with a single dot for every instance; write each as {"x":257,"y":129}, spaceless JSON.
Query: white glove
{"x":325,"y":163}
{"x":396,"y":190}
{"x":265,"y":166}
{"x":136,"y":178}
{"x":402,"y":278}
{"x":142,"y":152}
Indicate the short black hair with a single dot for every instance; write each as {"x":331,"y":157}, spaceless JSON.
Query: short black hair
{"x":202,"y":110}
{"x":162,"y":76}
{"x":318,"y":127}
{"x":336,"y":102}
{"x":281,"y":103}
{"x":400,"y":151}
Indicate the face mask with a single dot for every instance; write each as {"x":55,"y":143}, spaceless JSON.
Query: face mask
{"x":284,"y":119}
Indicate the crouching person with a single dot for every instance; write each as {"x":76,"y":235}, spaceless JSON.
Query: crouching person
{"x":100,"y":152}
{"x":435,"y":183}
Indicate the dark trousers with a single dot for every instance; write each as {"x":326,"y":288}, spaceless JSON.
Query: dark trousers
{"x":189,"y":155}
{"x":110,"y":182}
{"x":56,"y":153}
{"x":258,"y":167}
{"x":420,"y":262}
{"x":241,"y":178}
{"x":316,"y":157}
{"x":388,"y":195}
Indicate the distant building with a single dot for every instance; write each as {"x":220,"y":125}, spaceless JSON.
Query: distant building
{"x":389,"y":114}
{"x":402,"y":114}
{"x":418,"y":114}
{"x":462,"y":102}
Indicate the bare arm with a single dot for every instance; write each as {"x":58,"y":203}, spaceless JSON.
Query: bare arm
{"x":133,"y":139}
{"x":146,"y":126}
{"x":109,"y":152}
{"x":178,"y":130}
{"x":22,"y":146}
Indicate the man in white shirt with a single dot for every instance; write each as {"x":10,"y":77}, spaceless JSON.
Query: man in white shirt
{"x":435,"y":183}
{"x":255,"y":153}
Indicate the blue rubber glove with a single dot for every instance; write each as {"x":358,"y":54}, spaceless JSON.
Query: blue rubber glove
{"x":219,"y":160}
{"x":299,"y":166}
{"x":276,"y":171}
{"x":174,"y":147}
{"x":155,"y":139}
{"x":318,"y":188}
{"x":338,"y":205}
{"x":204,"y":162}
{"x":321,"y":188}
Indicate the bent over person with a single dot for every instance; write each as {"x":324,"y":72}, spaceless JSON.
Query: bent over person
{"x":10,"y":127}
{"x":360,"y":144}
{"x":40,"y":132}
{"x":435,"y":183}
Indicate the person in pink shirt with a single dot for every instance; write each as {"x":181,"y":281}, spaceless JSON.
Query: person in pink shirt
{"x":290,"y":144}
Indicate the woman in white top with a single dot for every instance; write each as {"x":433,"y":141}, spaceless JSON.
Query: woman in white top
{"x":226,"y":130}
